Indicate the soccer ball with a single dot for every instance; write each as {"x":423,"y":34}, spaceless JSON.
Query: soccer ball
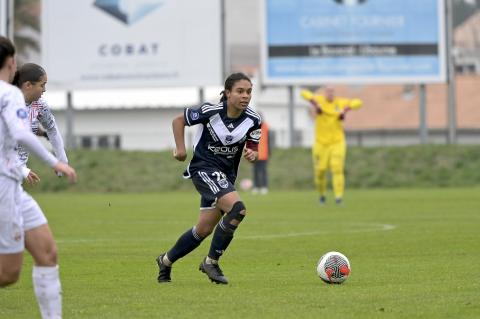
{"x":246,"y":184}
{"x":333,"y":268}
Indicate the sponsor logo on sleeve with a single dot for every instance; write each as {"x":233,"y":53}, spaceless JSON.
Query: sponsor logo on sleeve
{"x":256,"y":134}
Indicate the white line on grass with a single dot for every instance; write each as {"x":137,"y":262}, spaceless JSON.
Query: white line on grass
{"x":357,"y":228}
{"x":350,"y":228}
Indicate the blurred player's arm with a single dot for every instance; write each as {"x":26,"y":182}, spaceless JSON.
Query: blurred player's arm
{"x":30,"y":176}
{"x":57,"y":144}
{"x":26,"y":138}
{"x":315,"y":108}
{"x":178,"y":127}
{"x":353,"y":104}
{"x":48,"y":122}
{"x":42,"y":133}
{"x":58,"y":147}
{"x":14,"y":116}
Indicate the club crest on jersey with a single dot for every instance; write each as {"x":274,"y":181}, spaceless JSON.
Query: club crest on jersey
{"x":22,"y":113}
{"x":223,"y":183}
{"x":228,"y":139}
{"x":194,"y":115}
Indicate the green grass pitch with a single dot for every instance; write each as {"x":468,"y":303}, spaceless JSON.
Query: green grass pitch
{"x":414,"y":254}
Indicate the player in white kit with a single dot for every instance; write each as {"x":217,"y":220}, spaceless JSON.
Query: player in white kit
{"x":15,"y":129}
{"x":32,"y":79}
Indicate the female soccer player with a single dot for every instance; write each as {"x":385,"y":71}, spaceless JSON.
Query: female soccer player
{"x":32,"y":79}
{"x":227,"y":130}
{"x":15,"y":130}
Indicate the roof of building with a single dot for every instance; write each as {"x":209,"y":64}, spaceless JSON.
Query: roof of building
{"x":467,"y":34}
{"x":392,"y":106}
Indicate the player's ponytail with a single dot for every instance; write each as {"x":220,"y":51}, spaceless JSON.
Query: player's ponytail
{"x":223,"y":96}
{"x":16,"y":78}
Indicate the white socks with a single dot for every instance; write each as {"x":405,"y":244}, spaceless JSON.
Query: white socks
{"x":46,"y":284}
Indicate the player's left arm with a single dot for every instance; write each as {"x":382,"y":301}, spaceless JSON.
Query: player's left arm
{"x":353,"y":104}
{"x":40,"y":132}
{"x":250,"y":152}
{"x":46,"y":118}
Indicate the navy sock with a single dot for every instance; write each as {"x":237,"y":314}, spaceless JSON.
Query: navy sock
{"x":184,"y":245}
{"x":222,"y":237}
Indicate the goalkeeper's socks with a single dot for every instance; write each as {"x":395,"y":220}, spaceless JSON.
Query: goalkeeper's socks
{"x":323,"y":200}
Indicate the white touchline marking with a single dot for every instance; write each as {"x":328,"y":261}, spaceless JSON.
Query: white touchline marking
{"x":362,"y":229}
{"x":351,"y":228}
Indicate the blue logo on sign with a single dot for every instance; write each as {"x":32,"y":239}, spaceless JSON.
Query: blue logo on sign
{"x":194,"y":115}
{"x":350,"y":2}
{"x":128,"y":11}
{"x":22,"y":113}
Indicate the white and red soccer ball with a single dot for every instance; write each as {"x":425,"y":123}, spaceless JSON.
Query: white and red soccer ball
{"x":333,"y":268}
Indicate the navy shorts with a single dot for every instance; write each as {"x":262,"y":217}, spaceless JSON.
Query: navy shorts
{"x":211,"y":184}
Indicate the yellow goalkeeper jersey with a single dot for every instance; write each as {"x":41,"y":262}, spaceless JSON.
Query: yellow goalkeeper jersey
{"x":328,"y":126}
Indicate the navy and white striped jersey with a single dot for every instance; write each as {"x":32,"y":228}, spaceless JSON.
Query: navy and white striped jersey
{"x":219,"y":141}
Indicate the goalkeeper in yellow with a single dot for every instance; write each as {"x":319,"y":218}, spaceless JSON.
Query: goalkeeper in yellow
{"x":329,"y":148}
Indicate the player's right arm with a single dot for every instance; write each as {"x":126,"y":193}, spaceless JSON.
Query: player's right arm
{"x":191,"y":116}
{"x":178,"y":126}
{"x":14,"y":116}
{"x":315,"y":108}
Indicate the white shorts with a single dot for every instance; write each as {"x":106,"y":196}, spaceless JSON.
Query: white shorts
{"x":19,"y":213}
{"x":32,"y":213}
{"x":11,"y":219}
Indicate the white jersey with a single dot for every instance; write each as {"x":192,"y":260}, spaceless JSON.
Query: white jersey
{"x":14,"y":128}
{"x":39,"y":114}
